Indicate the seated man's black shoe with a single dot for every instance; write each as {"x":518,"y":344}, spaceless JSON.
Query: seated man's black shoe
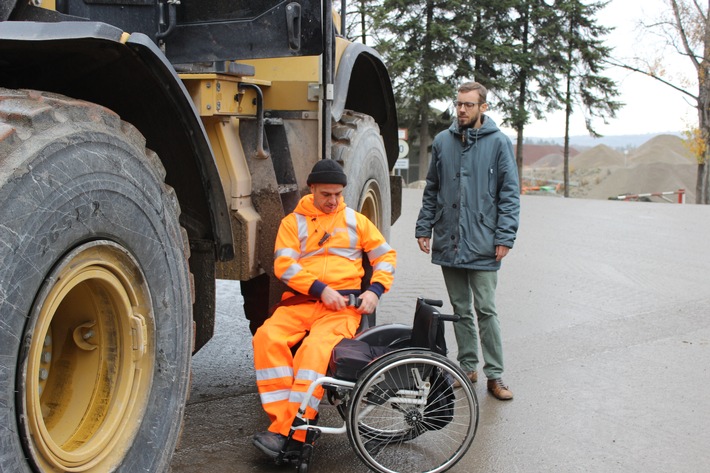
{"x":270,"y":443}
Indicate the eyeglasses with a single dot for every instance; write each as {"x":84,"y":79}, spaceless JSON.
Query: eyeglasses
{"x":467,"y":105}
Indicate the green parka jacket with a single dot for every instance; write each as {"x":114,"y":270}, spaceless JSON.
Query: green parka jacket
{"x":471,"y":200}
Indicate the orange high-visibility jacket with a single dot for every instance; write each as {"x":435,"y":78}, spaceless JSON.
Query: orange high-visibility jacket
{"x":307,"y":260}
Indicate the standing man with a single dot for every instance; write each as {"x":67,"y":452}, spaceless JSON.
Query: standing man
{"x":318,"y":254}
{"x":472,"y":202}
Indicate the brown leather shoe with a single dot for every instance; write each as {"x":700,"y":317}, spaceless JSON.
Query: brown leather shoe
{"x":471,"y":375}
{"x":499,"y":390}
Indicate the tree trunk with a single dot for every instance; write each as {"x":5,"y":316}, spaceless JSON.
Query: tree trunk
{"x":423,"y":147}
{"x":568,"y":112}
{"x":706,"y":179}
{"x":519,"y":156}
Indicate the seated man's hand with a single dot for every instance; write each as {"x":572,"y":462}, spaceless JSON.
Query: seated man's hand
{"x":369,"y":302}
{"x":333,"y":299}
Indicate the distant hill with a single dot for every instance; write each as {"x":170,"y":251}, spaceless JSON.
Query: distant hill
{"x":612,"y":141}
{"x":544,"y":155}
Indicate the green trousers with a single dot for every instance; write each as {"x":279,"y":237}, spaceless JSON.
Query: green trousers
{"x":469,"y":290}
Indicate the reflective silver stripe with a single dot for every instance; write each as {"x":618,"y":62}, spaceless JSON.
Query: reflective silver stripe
{"x":379,"y":251}
{"x":290,"y":252}
{"x":302,"y":231}
{"x":351,"y":222}
{"x":308,"y":375}
{"x":298,"y":398}
{"x":387,"y":267}
{"x":349,"y":253}
{"x":313,"y":253}
{"x":275,"y":396}
{"x":292,"y":270}
{"x":274,"y":373}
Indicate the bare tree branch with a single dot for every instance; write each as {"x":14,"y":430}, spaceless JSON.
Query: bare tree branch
{"x":700,"y":9}
{"x":683,"y":35}
{"x":648,"y":74}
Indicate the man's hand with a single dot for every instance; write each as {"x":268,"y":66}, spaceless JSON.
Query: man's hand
{"x":368,"y":302}
{"x":501,"y":252}
{"x":333,"y":299}
{"x":424,"y":244}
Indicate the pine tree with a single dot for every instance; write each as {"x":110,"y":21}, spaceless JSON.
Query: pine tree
{"x":484,"y":46}
{"x":534,"y":68}
{"x":585,"y":59}
{"x":418,"y":41}
{"x":359,"y":24}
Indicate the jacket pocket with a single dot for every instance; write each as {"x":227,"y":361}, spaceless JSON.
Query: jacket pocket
{"x":437,"y":216}
{"x":492,"y":182}
{"x":488,"y":221}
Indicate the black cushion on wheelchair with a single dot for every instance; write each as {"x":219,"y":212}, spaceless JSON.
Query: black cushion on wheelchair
{"x":386,"y":335}
{"x":351,"y":356}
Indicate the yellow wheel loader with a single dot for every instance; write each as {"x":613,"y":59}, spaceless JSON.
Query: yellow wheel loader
{"x":147,"y":148}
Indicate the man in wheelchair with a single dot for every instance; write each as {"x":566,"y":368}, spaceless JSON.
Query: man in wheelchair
{"x":318,"y":254}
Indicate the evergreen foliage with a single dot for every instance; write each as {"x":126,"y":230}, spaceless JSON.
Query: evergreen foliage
{"x":534,"y":56}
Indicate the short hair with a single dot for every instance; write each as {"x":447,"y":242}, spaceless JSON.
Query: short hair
{"x":474,"y":86}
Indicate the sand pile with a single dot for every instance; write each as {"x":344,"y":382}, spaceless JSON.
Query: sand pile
{"x":667,"y":149}
{"x":549,"y":161}
{"x":662,"y":164}
{"x":597,"y":157}
{"x":647,"y":178}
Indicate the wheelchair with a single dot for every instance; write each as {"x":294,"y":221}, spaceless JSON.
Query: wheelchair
{"x":393,"y":387}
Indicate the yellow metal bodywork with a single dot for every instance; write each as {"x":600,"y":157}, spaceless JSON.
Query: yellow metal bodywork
{"x":223,"y":103}
{"x":90,"y":362}
{"x":289,"y":79}
{"x":290,"y":86}
{"x":292,"y":77}
{"x":223,"y":133}
{"x":220,"y":94}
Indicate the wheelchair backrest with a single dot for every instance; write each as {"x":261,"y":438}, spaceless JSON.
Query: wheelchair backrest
{"x":428,"y":329}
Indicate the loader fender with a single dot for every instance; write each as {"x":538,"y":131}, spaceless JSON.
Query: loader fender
{"x":131,"y":76}
{"x":362,"y":84}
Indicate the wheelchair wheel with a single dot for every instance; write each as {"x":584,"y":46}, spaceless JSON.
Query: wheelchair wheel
{"x":405,"y":416}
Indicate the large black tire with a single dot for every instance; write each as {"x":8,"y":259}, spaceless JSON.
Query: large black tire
{"x":95,"y":302}
{"x":357,"y":144}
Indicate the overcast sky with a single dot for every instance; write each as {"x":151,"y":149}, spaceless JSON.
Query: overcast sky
{"x":651,"y":107}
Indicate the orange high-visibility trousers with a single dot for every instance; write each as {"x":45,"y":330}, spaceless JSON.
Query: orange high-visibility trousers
{"x":283,"y":379}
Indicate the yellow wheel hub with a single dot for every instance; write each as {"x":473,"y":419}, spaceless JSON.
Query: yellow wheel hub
{"x":371,"y":205}
{"x":90,"y":361}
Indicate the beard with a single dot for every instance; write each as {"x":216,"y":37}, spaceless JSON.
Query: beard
{"x":470,"y":122}
{"x":465,"y":123}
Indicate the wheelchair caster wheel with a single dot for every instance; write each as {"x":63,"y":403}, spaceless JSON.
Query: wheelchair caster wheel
{"x":303,"y":467}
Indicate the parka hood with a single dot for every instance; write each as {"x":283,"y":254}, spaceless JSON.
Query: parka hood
{"x":306,"y":207}
{"x":488,"y":127}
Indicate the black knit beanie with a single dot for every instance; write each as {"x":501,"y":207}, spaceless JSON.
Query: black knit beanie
{"x":327,"y":171}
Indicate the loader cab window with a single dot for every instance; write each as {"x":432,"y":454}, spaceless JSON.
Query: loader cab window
{"x":196,"y":11}
{"x":225,"y":30}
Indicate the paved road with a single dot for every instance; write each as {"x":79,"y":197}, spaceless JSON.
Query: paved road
{"x":606,"y":322}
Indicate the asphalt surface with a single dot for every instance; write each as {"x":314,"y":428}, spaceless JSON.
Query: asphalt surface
{"x":605,"y":311}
